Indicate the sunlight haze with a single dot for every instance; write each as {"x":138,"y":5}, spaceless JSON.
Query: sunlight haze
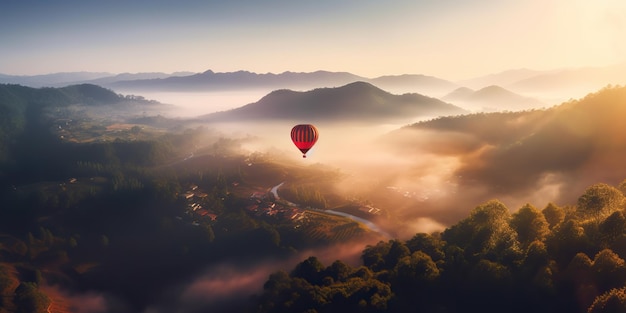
{"x":369,"y":38}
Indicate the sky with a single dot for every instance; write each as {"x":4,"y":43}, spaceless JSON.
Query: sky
{"x":445,"y":38}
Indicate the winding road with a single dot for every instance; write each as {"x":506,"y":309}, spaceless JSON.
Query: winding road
{"x":367,"y":223}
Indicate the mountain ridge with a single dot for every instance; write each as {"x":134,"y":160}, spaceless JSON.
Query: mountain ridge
{"x":358,"y":101}
{"x":491,"y":98}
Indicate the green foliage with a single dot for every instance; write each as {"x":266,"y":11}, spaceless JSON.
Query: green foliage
{"x":612,"y":301}
{"x":306,"y":196}
{"x":486,"y":233}
{"x":429,"y":244}
{"x":599,"y":201}
{"x":554,"y":215}
{"x":612,"y":228}
{"x":566,"y":240}
{"x":479,"y":264}
{"x":29,"y":299}
{"x":529,"y":224}
{"x":609,"y":269}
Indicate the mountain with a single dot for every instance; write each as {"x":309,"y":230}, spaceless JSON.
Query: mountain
{"x":459,"y":94}
{"x":519,"y":153}
{"x":491,"y":98}
{"x":572,"y":83}
{"x":212,"y":81}
{"x":76,"y":78}
{"x":359,"y":101}
{"x":422,"y":84}
{"x":135,"y":76}
{"x":51,"y":80}
{"x":216,"y":81}
{"x":503,"y":78}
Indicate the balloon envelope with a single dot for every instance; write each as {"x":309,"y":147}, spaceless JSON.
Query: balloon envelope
{"x":304,"y":137}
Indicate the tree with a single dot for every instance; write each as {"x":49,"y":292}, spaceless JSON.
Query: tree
{"x":486,"y":233}
{"x":428,"y":244}
{"x":339,"y":271}
{"x":599,"y":201}
{"x":490,"y":287}
{"x":554,"y":214}
{"x":374,"y":256}
{"x":529,"y":224}
{"x":612,"y":301}
{"x":309,"y":270}
{"x":413,"y":280}
{"x":612,"y":228}
{"x":536,"y":257}
{"x":609,"y":269}
{"x":566,"y":240}
{"x":622,"y":187}
{"x":29,"y":299}
{"x":397,"y":251}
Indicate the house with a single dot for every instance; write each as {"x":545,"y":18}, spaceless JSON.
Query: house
{"x":257,"y":195}
{"x":369,"y":209}
{"x":297,"y":216}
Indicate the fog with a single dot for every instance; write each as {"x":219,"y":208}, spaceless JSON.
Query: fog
{"x":426,"y":179}
{"x":369,"y":167}
{"x":431,"y":179}
{"x":223,"y":287}
{"x":191,"y":104}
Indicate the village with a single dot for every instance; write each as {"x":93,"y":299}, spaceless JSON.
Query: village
{"x":259,"y":205}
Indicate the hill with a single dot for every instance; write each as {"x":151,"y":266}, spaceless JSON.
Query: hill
{"x":214,"y":81}
{"x":571,"y":83}
{"x":556,"y":151}
{"x":491,"y":98}
{"x":220,"y":81}
{"x":504,"y":78}
{"x":50,"y":80}
{"x":422,"y":84}
{"x":555,"y":259}
{"x":26,"y":110}
{"x":459,"y":94}
{"x":357,"y":101}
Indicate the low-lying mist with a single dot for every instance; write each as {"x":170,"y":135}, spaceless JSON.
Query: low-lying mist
{"x":192,"y":104}
{"x":426,"y":178}
{"x":430,"y":177}
{"x":371,"y":171}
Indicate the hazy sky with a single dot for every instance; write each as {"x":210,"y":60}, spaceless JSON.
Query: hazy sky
{"x":446,"y":38}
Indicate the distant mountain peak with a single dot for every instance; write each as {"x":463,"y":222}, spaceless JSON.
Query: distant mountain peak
{"x":357,"y":102}
{"x":491,"y":98}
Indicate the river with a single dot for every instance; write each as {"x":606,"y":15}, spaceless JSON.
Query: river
{"x":367,"y":223}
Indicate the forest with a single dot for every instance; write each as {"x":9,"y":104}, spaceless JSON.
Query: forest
{"x":118,"y":217}
{"x":112,"y":216}
{"x":555,"y":259}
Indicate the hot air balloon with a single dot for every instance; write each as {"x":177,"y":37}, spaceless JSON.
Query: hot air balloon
{"x":304,"y":137}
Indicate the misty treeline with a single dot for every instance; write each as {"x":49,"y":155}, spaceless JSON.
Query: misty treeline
{"x":534,"y":156}
{"x":110,"y":217}
{"x":113,"y":216}
{"x":555,"y":259}
{"x":21,"y":108}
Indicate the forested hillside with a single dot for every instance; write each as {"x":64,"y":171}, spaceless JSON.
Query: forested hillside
{"x":94,"y":204}
{"x":516,"y":154}
{"x":23,"y":110}
{"x":555,"y":259}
